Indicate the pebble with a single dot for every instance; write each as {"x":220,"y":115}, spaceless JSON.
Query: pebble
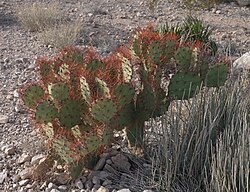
{"x":23,"y":182}
{"x":3,"y":119}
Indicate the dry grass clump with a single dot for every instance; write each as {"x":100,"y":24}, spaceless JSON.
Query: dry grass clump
{"x":209,"y":151}
{"x":62,"y":35}
{"x":39,"y":16}
{"x":50,"y":22}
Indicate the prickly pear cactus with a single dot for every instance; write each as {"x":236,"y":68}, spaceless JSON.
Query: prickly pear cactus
{"x":45,"y":112}
{"x":32,"y":95}
{"x":183,"y":57}
{"x":217,"y":75}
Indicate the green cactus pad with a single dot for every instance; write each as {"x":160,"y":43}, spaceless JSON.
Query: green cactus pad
{"x":183,"y":57}
{"x":124,"y":117}
{"x":126,"y":69}
{"x":59,"y":92}
{"x":102,"y":88}
{"x":69,"y":114}
{"x":85,"y":89}
{"x":162,"y":103}
{"x":183,"y":85}
{"x":145,"y":103}
{"x":103,"y":110}
{"x":45,"y":112}
{"x":93,"y":142}
{"x":155,"y":51}
{"x":168,"y":49}
{"x":124,"y":93}
{"x":217,"y":75}
{"x":32,"y":95}
{"x":94,"y":65}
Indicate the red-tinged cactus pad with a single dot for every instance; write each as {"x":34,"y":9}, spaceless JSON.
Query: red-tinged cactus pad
{"x":70,"y":113}
{"x":217,"y":75}
{"x":183,"y":85}
{"x":32,"y":95}
{"x":94,"y":64}
{"x":103,"y":110}
{"x":183,"y":57}
{"x":124,"y":93}
{"x":59,"y":92}
{"x":45,"y":112}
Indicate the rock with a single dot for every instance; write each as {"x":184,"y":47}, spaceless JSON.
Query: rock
{"x":243,"y":2}
{"x":3,"y":176}
{"x":62,"y":178}
{"x":63,"y":188}
{"x":3,"y":119}
{"x":109,"y":169}
{"x":10,"y":150}
{"x":124,"y":190}
{"x":25,"y":174}
{"x":52,"y":186}
{"x":106,"y":182}
{"x":88,"y":184}
{"x":54,"y":190}
{"x":243,"y":62}
{"x":37,"y":158}
{"x":79,"y":184}
{"x":102,"y":189}
{"x":24,"y":158}
{"x":100,"y":164}
{"x":147,"y":190}
{"x":121,"y":162}
{"x":96,"y":180}
{"x":23,"y":182}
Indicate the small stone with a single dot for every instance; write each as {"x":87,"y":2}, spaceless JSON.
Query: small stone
{"x":3,"y":176}
{"x":24,"y":158}
{"x":6,"y":60}
{"x":218,"y":11}
{"x":110,"y":169}
{"x":10,"y":150}
{"x":121,"y":162}
{"x":37,"y":158}
{"x":124,"y":190}
{"x":100,"y":164}
{"x":79,"y":184}
{"x":25,"y":174}
{"x":107,"y":182}
{"x":52,"y":186}
{"x":62,"y":178}
{"x":3,"y":119}
{"x":16,"y":94}
{"x":54,"y":190}
{"x":88,"y":184}
{"x":96,"y":180}
{"x":23,"y":182}
{"x":102,"y":189}
{"x":147,"y":190}
{"x":108,"y":161}
{"x":63,"y":188}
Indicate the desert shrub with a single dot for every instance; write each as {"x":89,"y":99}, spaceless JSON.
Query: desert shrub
{"x":209,"y":149}
{"x":39,"y":16}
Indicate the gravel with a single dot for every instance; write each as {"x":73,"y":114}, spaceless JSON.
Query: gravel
{"x":107,"y":24}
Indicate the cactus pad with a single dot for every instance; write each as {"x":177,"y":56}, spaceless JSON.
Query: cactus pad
{"x":155,"y":51}
{"x":168,"y":49}
{"x":124,"y":93}
{"x":59,"y":92}
{"x":126,"y":69}
{"x":145,"y":103}
{"x":217,"y":75}
{"x":69,"y":114}
{"x":94,"y":64}
{"x":45,"y":112}
{"x":135,"y":48}
{"x":103,"y":110}
{"x":32,"y":95}
{"x":183,"y":85}
{"x":85,"y":89}
{"x":64,"y":72}
{"x":102,"y":88}
{"x":183,"y":57}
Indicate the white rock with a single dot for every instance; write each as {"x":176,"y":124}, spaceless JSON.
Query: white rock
{"x":10,"y":150}
{"x":54,"y":190}
{"x":102,"y":189}
{"x":37,"y":158}
{"x":52,"y":186}
{"x":124,"y":190}
{"x":3,"y":119}
{"x":23,"y":182}
{"x":25,"y":174}
{"x":24,"y":158}
{"x":63,"y":188}
{"x":147,"y":191}
{"x":3,"y":176}
{"x":79,"y":184}
{"x":243,"y":62}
